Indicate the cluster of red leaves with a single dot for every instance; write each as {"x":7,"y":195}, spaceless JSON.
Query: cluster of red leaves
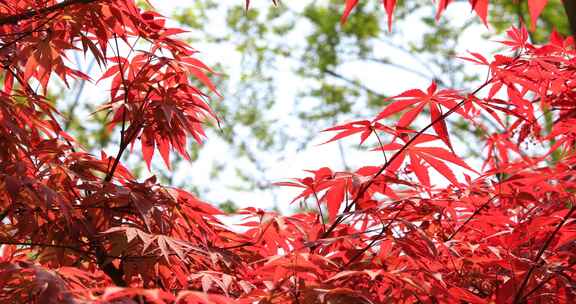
{"x":535,"y":8}
{"x":77,"y":228}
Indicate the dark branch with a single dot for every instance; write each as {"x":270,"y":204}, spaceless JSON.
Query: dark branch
{"x":59,"y":246}
{"x":570,"y":8}
{"x":355,"y":83}
{"x":536,"y":261}
{"x":13,"y":19}
{"x":367,"y":185}
{"x":470,"y":218}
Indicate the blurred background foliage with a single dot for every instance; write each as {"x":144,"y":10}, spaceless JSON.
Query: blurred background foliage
{"x":293,"y":70}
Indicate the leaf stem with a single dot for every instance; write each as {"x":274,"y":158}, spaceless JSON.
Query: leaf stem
{"x":13,"y":19}
{"x":470,"y":218}
{"x":536,"y":260}
{"x":375,"y":239}
{"x":320,"y":213}
{"x":365,"y":187}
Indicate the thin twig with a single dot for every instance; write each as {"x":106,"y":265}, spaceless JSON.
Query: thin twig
{"x":365,"y":187}
{"x":470,"y":218}
{"x":320,"y":213}
{"x":375,"y":239}
{"x":355,"y":83}
{"x":536,"y":260}
{"x":13,"y":19}
{"x":123,"y":140}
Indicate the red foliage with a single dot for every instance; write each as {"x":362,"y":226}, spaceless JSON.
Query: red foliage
{"x":77,"y":228}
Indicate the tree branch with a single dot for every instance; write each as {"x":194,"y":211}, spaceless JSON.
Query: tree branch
{"x":59,"y":246}
{"x":536,"y":260}
{"x":470,"y":218}
{"x":375,"y":239}
{"x":355,"y":83}
{"x":13,"y":19}
{"x":365,"y":187}
{"x":570,"y":9}
{"x":406,"y":68}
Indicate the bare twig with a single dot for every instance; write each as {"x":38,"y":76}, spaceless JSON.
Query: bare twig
{"x":13,"y":19}
{"x":470,"y":218}
{"x":536,"y":260}
{"x":367,"y":185}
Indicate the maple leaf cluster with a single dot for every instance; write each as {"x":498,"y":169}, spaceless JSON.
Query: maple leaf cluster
{"x":80,"y":228}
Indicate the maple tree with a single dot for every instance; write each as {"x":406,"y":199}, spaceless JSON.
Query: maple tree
{"x":80,"y":228}
{"x":269,"y":116}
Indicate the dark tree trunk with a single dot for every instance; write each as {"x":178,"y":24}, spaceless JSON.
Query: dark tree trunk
{"x":570,"y":8}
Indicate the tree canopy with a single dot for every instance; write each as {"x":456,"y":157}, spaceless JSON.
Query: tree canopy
{"x":423,"y":225}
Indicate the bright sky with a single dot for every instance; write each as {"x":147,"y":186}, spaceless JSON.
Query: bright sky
{"x":292,"y":163}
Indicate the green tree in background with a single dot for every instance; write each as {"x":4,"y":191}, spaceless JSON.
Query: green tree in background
{"x":262,"y":119}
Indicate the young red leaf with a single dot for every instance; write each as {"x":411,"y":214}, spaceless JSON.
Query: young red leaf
{"x":536,"y":7}
{"x":350,"y":4}
{"x":481,"y":8}
{"x":389,"y":6}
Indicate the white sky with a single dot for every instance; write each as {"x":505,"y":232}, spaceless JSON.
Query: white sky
{"x":292,"y":164}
